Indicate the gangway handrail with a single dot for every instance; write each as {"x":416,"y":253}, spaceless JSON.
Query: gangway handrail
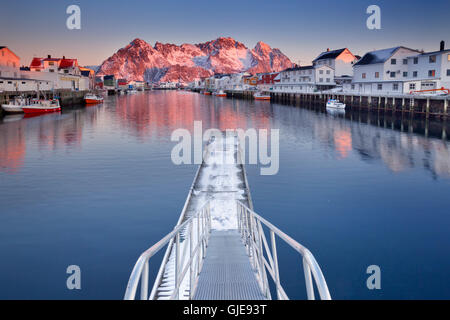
{"x":196,"y":248}
{"x":250,"y":228}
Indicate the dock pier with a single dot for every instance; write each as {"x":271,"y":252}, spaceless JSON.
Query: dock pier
{"x":425,"y":106}
{"x":67,"y":97}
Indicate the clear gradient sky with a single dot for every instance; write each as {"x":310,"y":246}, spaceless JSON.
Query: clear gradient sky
{"x":301,"y":29}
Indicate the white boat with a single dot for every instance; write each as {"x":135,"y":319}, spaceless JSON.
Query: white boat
{"x":220,"y":93}
{"x":15,"y":106}
{"x":92,"y":99}
{"x":261,"y":96}
{"x":333,"y":103}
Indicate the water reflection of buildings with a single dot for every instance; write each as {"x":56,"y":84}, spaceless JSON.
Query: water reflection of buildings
{"x":48,"y":131}
{"x":12,"y":145}
{"x":375,"y":139}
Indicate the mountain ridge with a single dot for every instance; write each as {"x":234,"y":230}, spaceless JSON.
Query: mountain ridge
{"x":187,"y":62}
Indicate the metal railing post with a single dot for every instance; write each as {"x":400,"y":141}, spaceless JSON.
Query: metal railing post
{"x":191,"y":272}
{"x":144,"y":282}
{"x":275,"y":262}
{"x":308,"y":280}
{"x":177,"y":263}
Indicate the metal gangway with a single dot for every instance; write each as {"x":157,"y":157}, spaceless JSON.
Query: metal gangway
{"x":219,"y":250}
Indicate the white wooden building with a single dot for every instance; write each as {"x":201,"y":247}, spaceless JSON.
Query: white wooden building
{"x":381,"y":71}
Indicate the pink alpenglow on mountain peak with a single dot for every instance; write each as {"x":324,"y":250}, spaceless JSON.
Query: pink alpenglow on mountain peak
{"x":169,"y":62}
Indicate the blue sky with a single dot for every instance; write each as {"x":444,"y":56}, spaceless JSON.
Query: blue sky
{"x":301,"y":29}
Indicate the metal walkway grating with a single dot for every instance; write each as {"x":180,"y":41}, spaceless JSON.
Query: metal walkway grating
{"x":227,"y":273}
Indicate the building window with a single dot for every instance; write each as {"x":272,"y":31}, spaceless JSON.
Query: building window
{"x":363,"y":75}
{"x":405,"y":61}
{"x":51,"y":70}
{"x":353,"y":87}
{"x":328,"y":79}
{"x":416,"y":60}
{"x":380,"y":86}
{"x":448,"y":72}
{"x":321,"y":71}
{"x":414,"y":74}
{"x":431,"y":73}
{"x":377,"y":74}
{"x":393,"y":61}
{"x":320,"y":79}
{"x":51,"y":63}
{"x":66,"y":71}
{"x":412,"y":86}
{"x":405,"y":74}
{"x":392,"y":74}
{"x":395,"y":87}
{"x":328,"y":71}
{"x":432,"y":59}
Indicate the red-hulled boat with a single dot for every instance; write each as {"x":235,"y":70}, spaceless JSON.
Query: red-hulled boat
{"x":42,"y":106}
{"x":93,"y":99}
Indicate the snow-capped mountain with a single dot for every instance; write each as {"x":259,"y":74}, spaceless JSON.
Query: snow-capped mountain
{"x":187,"y":62}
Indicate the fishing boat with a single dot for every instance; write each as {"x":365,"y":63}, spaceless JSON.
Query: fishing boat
{"x":335,"y":104}
{"x":15,"y":106}
{"x":261,"y":96}
{"x":92,"y":99}
{"x":42,"y":106}
{"x":221,"y":93}
{"x":206,"y":93}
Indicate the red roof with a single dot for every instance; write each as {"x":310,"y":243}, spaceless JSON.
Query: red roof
{"x":36,"y":62}
{"x":67,"y":63}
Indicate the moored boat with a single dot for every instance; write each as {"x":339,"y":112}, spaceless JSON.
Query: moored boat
{"x":333,"y":103}
{"x":261,"y":96}
{"x":42,"y":106}
{"x":206,"y":93}
{"x":221,"y":93}
{"x":15,"y":106}
{"x":92,"y":99}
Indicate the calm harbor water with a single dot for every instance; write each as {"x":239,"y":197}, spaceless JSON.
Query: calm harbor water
{"x":96,"y":186}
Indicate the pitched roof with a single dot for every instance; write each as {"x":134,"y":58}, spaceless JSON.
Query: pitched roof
{"x":379,"y":56}
{"x":36,"y":62}
{"x":298,"y":68}
{"x":329,"y":54}
{"x":67,"y":63}
{"x":435,"y":52}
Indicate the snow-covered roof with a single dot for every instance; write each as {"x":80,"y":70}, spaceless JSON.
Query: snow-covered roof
{"x":379,"y":56}
{"x":329,"y":54}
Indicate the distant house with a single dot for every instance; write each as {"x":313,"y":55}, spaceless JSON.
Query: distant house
{"x":266,"y":81}
{"x":428,"y":71}
{"x":11,"y":78}
{"x":109,"y":81}
{"x":122,"y":84}
{"x":250,"y":81}
{"x":381,"y":71}
{"x":9,"y":63}
{"x":340,"y":60}
{"x":306,"y":79}
{"x":64,"y":73}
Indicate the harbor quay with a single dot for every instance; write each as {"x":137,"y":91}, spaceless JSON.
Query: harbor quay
{"x":425,"y":106}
